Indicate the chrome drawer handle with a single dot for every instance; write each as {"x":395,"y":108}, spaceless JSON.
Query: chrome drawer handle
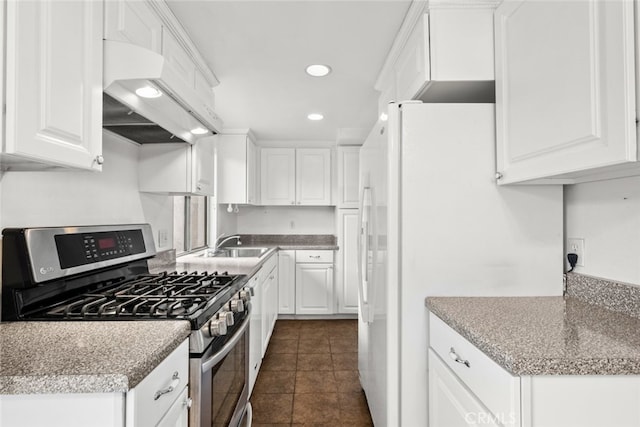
{"x":175,"y":380}
{"x":456,"y":358}
{"x":314,"y":256}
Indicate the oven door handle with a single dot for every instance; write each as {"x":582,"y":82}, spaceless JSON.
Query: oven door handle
{"x":222,"y":353}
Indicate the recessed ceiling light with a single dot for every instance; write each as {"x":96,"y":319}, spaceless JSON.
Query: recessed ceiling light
{"x":199,"y":131}
{"x":318,"y":70}
{"x":148,"y":92}
{"x":315,"y":116}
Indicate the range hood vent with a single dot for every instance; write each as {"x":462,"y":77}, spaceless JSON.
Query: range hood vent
{"x":168,"y":118}
{"x":121,"y":120}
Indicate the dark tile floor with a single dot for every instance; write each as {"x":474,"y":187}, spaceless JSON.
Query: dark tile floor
{"x":309,"y":376}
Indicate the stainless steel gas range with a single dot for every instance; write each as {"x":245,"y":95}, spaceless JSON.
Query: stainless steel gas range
{"x":94,"y":273}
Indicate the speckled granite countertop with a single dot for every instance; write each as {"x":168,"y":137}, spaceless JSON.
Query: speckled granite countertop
{"x":545,"y":335}
{"x":83,"y":357}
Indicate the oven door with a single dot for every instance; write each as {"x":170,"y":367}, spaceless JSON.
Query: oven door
{"x":219,"y":381}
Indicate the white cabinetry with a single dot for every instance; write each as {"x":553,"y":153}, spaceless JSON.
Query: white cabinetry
{"x":450,"y":402}
{"x":133,"y":22}
{"x":236,"y":163}
{"x":565,"y":90}
{"x":287,"y":282}
{"x":446,"y":45}
{"x":178,"y":168}
{"x":269,"y":303}
{"x":154,"y":397}
{"x":348,"y":176}
{"x":255,"y":330}
{"x":313,"y":176}
{"x":53,"y":88}
{"x":296,"y":176}
{"x":480,"y":392}
{"x":347,"y":261}
{"x":314,"y":282}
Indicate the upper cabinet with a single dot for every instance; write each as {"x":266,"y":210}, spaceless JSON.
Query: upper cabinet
{"x":133,"y":22}
{"x":565,"y":91}
{"x":53,"y":85}
{"x":348,"y":176}
{"x":237,"y":174}
{"x":443,"y":53}
{"x":178,"y":168}
{"x":296,"y":176}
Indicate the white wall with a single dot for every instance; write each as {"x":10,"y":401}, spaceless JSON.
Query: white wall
{"x":286,"y":220}
{"x":59,"y":198}
{"x":607,"y":215}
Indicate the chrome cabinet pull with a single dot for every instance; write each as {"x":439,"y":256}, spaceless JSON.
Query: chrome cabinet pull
{"x":99,"y":159}
{"x":314,"y":256}
{"x":458,"y":359}
{"x":175,"y":380}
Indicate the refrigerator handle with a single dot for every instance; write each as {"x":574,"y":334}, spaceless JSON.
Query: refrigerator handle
{"x":362,"y":254}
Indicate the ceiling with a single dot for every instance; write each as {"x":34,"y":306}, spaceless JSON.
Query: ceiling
{"x":260,"y":49}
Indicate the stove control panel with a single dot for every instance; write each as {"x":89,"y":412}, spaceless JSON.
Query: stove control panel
{"x":86,"y":248}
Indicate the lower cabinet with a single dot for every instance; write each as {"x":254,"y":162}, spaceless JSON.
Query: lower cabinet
{"x":286,"y":282}
{"x":141,"y":406}
{"x":467,"y":388}
{"x":347,"y":261}
{"x":450,"y":402}
{"x":269,"y":305}
{"x":314,"y":288}
{"x":264,"y":313}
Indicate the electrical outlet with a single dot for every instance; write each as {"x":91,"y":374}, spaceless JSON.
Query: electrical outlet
{"x":292,"y":225}
{"x":576,"y":246}
{"x":163,"y":238}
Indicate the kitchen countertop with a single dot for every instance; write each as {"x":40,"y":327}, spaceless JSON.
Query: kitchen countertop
{"x":248,"y":265}
{"x":545,"y":335}
{"x":83,"y":357}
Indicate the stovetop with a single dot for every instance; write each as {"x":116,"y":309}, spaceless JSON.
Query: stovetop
{"x":189,"y":296}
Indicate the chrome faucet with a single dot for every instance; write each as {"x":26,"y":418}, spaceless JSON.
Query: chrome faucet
{"x":225,"y":240}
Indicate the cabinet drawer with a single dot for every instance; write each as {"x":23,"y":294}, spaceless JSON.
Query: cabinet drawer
{"x":314,"y":256}
{"x":145,"y":405}
{"x":498,"y":390}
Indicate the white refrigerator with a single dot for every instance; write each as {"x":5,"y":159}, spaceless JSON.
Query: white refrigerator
{"x":433,"y":222}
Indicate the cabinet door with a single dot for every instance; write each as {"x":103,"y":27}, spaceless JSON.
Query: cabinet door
{"x":269,"y":306}
{"x":565,"y":100}
{"x":54,"y":82}
{"x":346,"y":271}
{"x":203,"y":161}
{"x":133,"y":22}
{"x":348,"y":176}
{"x":412,"y":69}
{"x":232,"y":168}
{"x":314,"y":289}
{"x":313,"y":176}
{"x":450,"y":403}
{"x":278,"y":171}
{"x":252,"y":173}
{"x":286,"y":282}
{"x":255,"y":332}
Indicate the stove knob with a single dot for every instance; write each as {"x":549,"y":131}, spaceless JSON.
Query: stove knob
{"x":245,"y":294}
{"x":236,"y":305}
{"x":217,"y":327}
{"x":227,"y":316}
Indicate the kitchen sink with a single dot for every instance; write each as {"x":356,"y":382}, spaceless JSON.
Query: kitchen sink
{"x":236,"y":253}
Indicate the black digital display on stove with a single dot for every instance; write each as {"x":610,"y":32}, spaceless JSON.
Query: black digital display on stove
{"x":86,"y":248}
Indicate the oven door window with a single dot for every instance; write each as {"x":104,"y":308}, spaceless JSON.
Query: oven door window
{"x":227,"y":385}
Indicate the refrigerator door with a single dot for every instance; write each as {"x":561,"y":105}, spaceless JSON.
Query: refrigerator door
{"x":372,"y":325}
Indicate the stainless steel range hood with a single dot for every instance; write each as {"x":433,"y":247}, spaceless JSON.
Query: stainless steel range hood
{"x":170,"y":117}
